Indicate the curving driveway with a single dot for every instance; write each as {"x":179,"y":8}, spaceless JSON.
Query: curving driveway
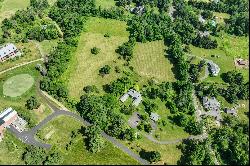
{"x":28,"y":137}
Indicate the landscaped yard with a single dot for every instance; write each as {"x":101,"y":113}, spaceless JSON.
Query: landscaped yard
{"x":47,"y":46}
{"x":229,"y":47}
{"x":29,"y":53}
{"x":149,"y":61}
{"x":60,"y":131}
{"x":18,"y":103}
{"x":84,"y":68}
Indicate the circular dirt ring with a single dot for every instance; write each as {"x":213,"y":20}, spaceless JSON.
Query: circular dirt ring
{"x":17,"y":85}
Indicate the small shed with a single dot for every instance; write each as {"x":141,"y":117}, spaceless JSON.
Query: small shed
{"x":154,"y":116}
{"x":231,"y":111}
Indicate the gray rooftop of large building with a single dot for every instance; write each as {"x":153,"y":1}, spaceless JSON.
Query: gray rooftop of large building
{"x":213,"y":107}
{"x":5,"y":114}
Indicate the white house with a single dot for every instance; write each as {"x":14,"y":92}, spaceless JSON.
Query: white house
{"x":8,"y":51}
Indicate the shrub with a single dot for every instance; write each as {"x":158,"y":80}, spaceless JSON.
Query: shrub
{"x":95,"y":50}
{"x":105,"y":70}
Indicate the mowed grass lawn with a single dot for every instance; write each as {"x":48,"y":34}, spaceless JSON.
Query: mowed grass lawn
{"x":149,"y":61}
{"x":170,"y":154}
{"x":84,"y":68}
{"x":48,"y":45}
{"x":58,"y":133}
{"x":17,"y":85}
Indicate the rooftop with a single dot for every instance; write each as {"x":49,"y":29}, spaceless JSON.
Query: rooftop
{"x":134,"y":94}
{"x":214,"y":68}
{"x":6,"y":115}
{"x":154,"y":116}
{"x":213,"y":106}
{"x":7,"y":49}
{"x":232,"y":111}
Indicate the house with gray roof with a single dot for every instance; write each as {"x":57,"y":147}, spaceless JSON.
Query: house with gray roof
{"x":213,"y":107}
{"x":210,"y":103}
{"x":8,"y":51}
{"x":136,"y":96}
{"x":138,"y":10}
{"x":213,"y":68}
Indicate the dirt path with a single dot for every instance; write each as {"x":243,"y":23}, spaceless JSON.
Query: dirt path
{"x":20,"y":65}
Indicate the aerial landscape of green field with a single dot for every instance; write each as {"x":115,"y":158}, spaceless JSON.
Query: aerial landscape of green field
{"x":124,"y":82}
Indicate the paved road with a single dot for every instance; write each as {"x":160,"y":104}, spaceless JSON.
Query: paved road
{"x":20,"y":65}
{"x":28,"y":137}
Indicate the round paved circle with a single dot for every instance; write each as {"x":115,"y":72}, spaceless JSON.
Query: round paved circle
{"x":17,"y":85}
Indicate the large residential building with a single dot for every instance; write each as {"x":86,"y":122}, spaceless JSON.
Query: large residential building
{"x":136,"y":96}
{"x":6,"y":118}
{"x":8,"y":51}
{"x":213,"y":107}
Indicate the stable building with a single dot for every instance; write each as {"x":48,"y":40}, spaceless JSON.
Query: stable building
{"x":8,"y":51}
